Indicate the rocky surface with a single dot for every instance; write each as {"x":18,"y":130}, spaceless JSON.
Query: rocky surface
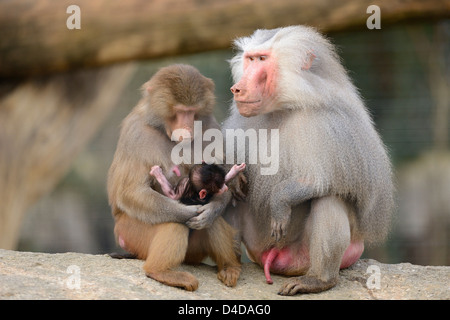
{"x":26,"y":275}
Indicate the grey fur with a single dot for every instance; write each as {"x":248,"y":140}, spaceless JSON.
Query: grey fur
{"x":330,"y":152}
{"x":329,"y":139}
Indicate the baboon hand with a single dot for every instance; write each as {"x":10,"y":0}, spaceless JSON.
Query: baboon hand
{"x":156,"y":171}
{"x":238,"y":187}
{"x":189,"y":212}
{"x":206,"y":215}
{"x":279,"y":227}
{"x":204,"y":218}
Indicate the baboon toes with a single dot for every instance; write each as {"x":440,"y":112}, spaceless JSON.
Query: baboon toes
{"x":191,"y":285}
{"x":183,"y":280}
{"x":305,"y":284}
{"x":229,"y":276}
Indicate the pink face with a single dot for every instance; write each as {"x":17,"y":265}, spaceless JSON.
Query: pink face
{"x":183,"y":118}
{"x":255,"y":92}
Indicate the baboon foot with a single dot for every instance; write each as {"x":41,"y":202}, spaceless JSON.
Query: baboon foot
{"x":305,"y":284}
{"x":229,"y":275}
{"x":116,"y":255}
{"x":183,"y":280}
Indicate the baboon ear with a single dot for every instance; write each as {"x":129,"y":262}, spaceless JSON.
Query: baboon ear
{"x":202,"y":194}
{"x":146,"y":88}
{"x":210,"y":84}
{"x":310,"y":56}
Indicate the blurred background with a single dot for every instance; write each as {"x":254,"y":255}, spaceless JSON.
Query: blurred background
{"x":402,"y":71}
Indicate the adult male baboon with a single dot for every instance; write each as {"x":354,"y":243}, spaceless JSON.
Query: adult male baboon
{"x":333,"y":190}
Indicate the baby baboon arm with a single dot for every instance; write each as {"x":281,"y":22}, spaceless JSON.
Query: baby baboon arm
{"x":147,"y":205}
{"x":234,"y":171}
{"x":166,"y":187}
{"x":236,"y":181}
{"x":284,"y":196}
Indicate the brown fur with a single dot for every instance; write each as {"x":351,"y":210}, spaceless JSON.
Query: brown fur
{"x":151,"y":224}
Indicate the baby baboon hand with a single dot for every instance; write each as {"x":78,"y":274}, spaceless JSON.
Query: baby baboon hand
{"x":237,"y":168}
{"x":156,"y":171}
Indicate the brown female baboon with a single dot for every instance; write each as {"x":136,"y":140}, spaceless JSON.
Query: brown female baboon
{"x":148,"y":224}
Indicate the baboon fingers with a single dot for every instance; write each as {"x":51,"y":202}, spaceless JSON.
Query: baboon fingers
{"x":305,"y":284}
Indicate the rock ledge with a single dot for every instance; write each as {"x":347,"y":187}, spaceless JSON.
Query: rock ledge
{"x":27,"y":275}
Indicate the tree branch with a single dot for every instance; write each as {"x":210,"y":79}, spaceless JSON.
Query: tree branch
{"x":35,"y":39}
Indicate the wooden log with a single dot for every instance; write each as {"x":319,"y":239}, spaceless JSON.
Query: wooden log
{"x":36,"y":40}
